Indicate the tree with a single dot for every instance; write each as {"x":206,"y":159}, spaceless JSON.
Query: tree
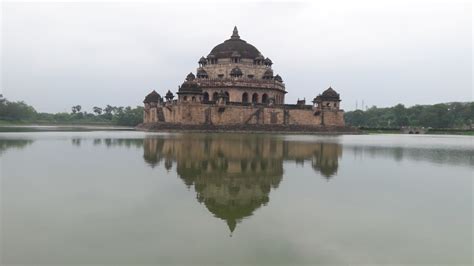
{"x":446,"y":115}
{"x":400,"y":116}
{"x":97,"y":110}
{"x":76,"y":109}
{"x":16,"y":111}
{"x":128,"y":116}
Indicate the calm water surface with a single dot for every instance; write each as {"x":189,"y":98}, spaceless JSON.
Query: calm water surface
{"x":246,"y":199}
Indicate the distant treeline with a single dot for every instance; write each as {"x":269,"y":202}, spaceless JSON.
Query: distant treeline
{"x":20,"y":112}
{"x":444,"y":115}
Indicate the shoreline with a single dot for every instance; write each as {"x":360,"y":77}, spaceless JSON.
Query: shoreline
{"x":174,"y":128}
{"x":276,"y":129}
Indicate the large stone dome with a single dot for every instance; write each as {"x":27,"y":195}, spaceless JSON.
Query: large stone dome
{"x":235,"y":44}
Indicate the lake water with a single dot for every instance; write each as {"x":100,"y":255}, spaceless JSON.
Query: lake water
{"x":117,"y":197}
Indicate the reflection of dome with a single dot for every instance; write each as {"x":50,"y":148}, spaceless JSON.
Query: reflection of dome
{"x":325,"y":159}
{"x":234,"y":176}
{"x":233,"y":213}
{"x":152,"y":154}
{"x":235,"y":46}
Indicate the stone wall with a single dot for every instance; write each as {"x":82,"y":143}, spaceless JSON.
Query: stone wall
{"x":211,"y":114}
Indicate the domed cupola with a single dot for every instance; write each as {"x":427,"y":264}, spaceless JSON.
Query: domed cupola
{"x":268,"y":74}
{"x":268,"y":62}
{"x":235,"y":57}
{"x":259,"y":59}
{"x":190,"y":86}
{"x":190,"y":77}
{"x":329,"y":99}
{"x":211,"y":58}
{"x":236,"y":72}
{"x":169,"y":96}
{"x":278,"y":78}
{"x":235,"y":44}
{"x":202,"y":61}
{"x":201,"y":73}
{"x":152,"y":97}
{"x":330,"y":93}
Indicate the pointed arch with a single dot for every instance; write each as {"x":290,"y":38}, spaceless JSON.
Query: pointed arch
{"x":245,"y":97}
{"x":255,"y":98}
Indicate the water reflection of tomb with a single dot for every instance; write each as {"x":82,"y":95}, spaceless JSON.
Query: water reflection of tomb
{"x":233,"y":175}
{"x":6,"y":144}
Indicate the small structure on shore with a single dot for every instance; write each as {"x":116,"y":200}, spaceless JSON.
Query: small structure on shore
{"x":235,"y":86}
{"x":413,"y":130}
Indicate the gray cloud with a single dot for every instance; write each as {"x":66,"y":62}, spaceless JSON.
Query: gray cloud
{"x":55,"y":55}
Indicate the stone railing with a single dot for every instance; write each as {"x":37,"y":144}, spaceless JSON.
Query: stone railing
{"x":241,"y":82}
{"x":250,"y":104}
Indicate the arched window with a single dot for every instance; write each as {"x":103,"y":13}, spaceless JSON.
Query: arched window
{"x":264,"y":98}
{"x":185,"y":98}
{"x":206,"y":97}
{"x":193,"y":98}
{"x":335,"y":104}
{"x":214,"y":96}
{"x":245,"y":98}
{"x":228,"y":96}
{"x":255,"y":98}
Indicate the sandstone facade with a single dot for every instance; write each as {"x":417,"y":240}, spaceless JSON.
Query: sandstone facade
{"x":236,"y":85}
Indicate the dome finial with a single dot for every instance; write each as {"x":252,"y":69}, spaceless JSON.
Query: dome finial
{"x":235,"y":33}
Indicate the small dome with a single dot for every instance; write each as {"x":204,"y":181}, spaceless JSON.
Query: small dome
{"x":190,"y":86}
{"x":268,"y":74}
{"x":152,"y":97}
{"x":201,"y":73}
{"x":268,"y":62}
{"x":327,"y":95}
{"x":190,"y":77}
{"x":169,"y":95}
{"x":202,"y":61}
{"x":278,"y":78}
{"x":236,"y":72}
{"x":330,"y":93}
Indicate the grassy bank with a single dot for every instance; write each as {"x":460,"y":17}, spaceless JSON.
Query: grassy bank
{"x":56,"y":123}
{"x":433,"y":131}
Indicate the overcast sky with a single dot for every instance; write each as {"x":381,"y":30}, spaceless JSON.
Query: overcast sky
{"x":59,"y":54}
